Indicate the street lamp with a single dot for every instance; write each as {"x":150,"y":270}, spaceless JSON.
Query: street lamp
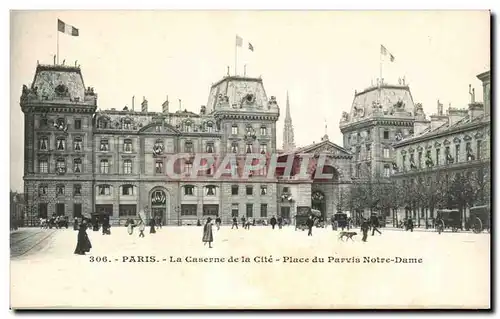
{"x":178,"y":211}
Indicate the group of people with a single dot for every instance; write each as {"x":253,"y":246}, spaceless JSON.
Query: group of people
{"x":54,"y":221}
{"x":366,"y":224}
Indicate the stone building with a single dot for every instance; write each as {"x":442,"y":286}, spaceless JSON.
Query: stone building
{"x":452,"y":144}
{"x":82,"y":160}
{"x":379,"y":116}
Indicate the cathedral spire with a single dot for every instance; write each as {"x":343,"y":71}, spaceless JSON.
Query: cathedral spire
{"x":288,"y":138}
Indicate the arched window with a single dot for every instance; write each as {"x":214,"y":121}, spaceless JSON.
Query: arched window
{"x":210,"y":190}
{"x":77,"y":165}
{"x":104,"y":190}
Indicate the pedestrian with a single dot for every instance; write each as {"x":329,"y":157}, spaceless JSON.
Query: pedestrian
{"x":364,"y":228}
{"x":375,"y":225}
{"x":142,"y":227}
{"x":83,"y":244}
{"x":247,"y":225}
{"x":310,"y":224}
{"x":273,"y":221}
{"x":218,"y":221}
{"x":106,"y":225}
{"x":235,"y":223}
{"x":208,"y":236}
{"x":130,"y":224}
{"x":152,"y":223}
{"x":75,"y":223}
{"x":409,"y":224}
{"x":158,"y":221}
{"x":280,"y":222}
{"x":244,"y":222}
{"x":332,"y":221}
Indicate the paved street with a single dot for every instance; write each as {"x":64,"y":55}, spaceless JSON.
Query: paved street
{"x":29,"y":240}
{"x":455,"y":270}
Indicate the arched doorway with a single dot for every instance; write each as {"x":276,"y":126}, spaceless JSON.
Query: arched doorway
{"x":158,"y":202}
{"x":318,"y":202}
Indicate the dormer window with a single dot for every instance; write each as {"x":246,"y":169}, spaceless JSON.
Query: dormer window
{"x":263,"y":130}
{"x":210,"y":127}
{"x":234,"y":129}
{"x":61,"y":90}
{"x":188,"y":127}
{"x":127,"y":124}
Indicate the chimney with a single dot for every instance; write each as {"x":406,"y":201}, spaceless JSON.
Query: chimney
{"x":476,"y":109}
{"x":440,"y":108}
{"x":165,"y":106}
{"x":144,"y":104}
{"x":456,"y":115}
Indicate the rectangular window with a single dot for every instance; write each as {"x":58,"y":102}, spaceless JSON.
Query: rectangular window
{"x":77,"y":210}
{"x":419,"y":160}
{"x":78,"y":144}
{"x":386,"y":135}
{"x":234,"y":190}
{"x":263,"y":190}
{"x":438,"y":151}
{"x":263,"y":210}
{"x":159,"y":167}
{"x":286,"y":190}
{"x":61,"y":144}
{"x":78,"y":124}
{"x":77,"y":165}
{"x":210,"y":191}
{"x":235,"y":210}
{"x":468,"y":150}
{"x":42,"y":210}
{"x":43,"y":143}
{"x":188,"y":147}
{"x":188,"y":168}
{"x":249,"y":210}
{"x":234,"y":147}
{"x":60,"y":209}
{"x":457,"y":153}
{"x":127,"y":210}
{"x":234,"y":130}
{"x":43,"y":190}
{"x":368,"y":151}
{"x":104,"y":166}
{"x":263,"y":130}
{"x":104,"y":190}
{"x":104,"y":145}
{"x":188,"y":209}
{"x":210,"y":148}
{"x":249,"y":190}
{"x":263,"y":149}
{"x":386,"y":152}
{"x":387,"y":171}
{"x":249,"y":148}
{"x":128,"y":190}
{"x":188,"y":190}
{"x":478,"y":150}
{"x":43,"y":166}
{"x":210,"y":209}
{"x":127,"y":146}
{"x":60,"y":190}
{"x":127,"y":166}
{"x":77,"y":190}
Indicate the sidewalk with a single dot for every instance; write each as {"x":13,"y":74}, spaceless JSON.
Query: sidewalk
{"x":414,"y":229}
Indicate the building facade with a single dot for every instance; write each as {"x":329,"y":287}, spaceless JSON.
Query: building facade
{"x":447,"y":164}
{"x":79,"y":160}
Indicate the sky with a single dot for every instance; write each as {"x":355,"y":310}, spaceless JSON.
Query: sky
{"x":319,"y":57}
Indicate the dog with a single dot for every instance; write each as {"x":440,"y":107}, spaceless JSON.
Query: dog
{"x":347,"y":234}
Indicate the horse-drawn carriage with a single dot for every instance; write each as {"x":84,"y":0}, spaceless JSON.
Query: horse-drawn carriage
{"x":448,"y":218}
{"x":303,"y":213}
{"x":341,"y":220}
{"x":479,"y":219}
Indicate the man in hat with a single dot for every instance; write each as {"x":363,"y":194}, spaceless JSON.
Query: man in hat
{"x":208,"y":236}
{"x":310,"y":224}
{"x":365,"y":226}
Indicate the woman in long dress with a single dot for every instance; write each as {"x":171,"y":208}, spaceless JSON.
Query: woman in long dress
{"x":152,"y":230}
{"x":130,"y":226}
{"x":142,"y":227}
{"x":83,"y":245}
{"x":208,"y":236}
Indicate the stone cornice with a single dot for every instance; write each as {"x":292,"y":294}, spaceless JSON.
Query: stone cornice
{"x":376,"y":121}
{"x":247,"y":116}
{"x":459,"y":129}
{"x":58,"y":108}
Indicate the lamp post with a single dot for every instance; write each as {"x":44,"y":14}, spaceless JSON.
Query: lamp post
{"x":178,"y":211}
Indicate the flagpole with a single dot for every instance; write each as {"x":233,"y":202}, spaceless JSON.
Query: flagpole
{"x":57,"y":56}
{"x":235,"y":58}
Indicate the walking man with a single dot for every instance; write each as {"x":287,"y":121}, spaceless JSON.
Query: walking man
{"x":375,"y":225}
{"x":235,"y":223}
{"x":218,"y":221}
{"x":364,"y":228}
{"x":280,"y":222}
{"x":273,"y":221}
{"x":310,"y":224}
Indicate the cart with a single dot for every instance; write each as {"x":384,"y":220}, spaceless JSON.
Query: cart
{"x":341,"y":220}
{"x":448,"y":218}
{"x":480,"y":217}
{"x":303,"y":213}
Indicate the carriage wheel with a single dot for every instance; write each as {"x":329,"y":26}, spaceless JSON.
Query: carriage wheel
{"x":477,"y":227}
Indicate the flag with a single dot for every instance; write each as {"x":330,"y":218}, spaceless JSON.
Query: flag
{"x":66,"y":28}
{"x":250,"y":46}
{"x":383,"y":51}
{"x":239,"y":41}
